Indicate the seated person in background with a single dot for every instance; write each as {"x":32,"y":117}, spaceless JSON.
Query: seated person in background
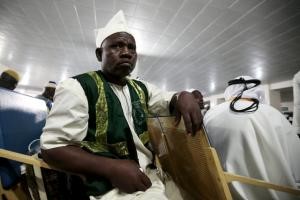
{"x":97,"y":125}
{"x":48,"y":94}
{"x":296,"y":91}
{"x":254,"y":140}
{"x":9,"y":79}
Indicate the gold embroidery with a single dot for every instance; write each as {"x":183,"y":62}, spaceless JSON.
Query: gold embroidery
{"x":101,"y":118}
{"x":101,"y":111}
{"x":94,"y":147}
{"x":144,"y":137}
{"x":120,"y":148}
{"x":140,"y":93}
{"x":100,"y":145}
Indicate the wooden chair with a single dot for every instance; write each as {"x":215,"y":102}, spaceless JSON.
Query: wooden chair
{"x":193,"y":163}
{"x":190,"y":161}
{"x":21,"y":121}
{"x":16,"y":193}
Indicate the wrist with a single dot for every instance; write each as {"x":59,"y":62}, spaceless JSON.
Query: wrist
{"x":107,"y":168}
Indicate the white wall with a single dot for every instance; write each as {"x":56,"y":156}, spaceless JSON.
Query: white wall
{"x":275,"y":99}
{"x":289,"y":105}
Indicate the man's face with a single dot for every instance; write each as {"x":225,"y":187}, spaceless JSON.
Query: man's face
{"x":49,"y":93}
{"x":118,"y":55}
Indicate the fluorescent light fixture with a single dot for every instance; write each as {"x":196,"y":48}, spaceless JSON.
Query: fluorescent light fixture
{"x":212,"y":86}
{"x":257,"y":68}
{"x":10,"y":56}
{"x":26,"y":76}
{"x":258,"y":73}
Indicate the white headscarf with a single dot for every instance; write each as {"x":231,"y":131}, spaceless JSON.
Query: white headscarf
{"x":235,"y":89}
{"x":51,"y":84}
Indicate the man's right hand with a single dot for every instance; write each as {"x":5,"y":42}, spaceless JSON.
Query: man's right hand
{"x":127,"y":176}
{"x":123,"y":174}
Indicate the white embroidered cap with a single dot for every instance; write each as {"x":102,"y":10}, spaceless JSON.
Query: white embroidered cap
{"x":116,"y":24}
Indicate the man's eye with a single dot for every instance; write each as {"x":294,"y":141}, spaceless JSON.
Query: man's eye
{"x":114,"y":46}
{"x":132,"y":47}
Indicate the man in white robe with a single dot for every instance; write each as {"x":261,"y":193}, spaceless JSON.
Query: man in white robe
{"x":73,"y":136}
{"x":296,"y":90}
{"x":255,"y":143}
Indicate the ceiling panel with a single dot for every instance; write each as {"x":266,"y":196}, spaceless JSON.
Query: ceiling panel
{"x":105,"y":5}
{"x":190,"y":9}
{"x":128,"y":7}
{"x":182,"y":43}
{"x":145,"y":11}
{"x":172,"y":4}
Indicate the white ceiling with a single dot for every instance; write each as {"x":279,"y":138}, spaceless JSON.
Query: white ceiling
{"x":182,"y":43}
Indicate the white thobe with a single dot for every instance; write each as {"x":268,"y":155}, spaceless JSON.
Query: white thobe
{"x":67,"y":122}
{"x":296,"y":91}
{"x":260,"y":145}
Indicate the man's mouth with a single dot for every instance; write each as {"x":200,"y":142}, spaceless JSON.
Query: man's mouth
{"x":126,"y":64}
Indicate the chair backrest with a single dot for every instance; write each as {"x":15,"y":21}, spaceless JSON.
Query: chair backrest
{"x":22,"y":119}
{"x":194,"y":165}
{"x":190,"y":161}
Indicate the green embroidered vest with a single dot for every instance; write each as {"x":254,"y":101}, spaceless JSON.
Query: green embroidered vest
{"x":108,"y":132}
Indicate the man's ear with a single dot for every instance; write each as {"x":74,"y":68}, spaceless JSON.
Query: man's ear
{"x":99,"y":54}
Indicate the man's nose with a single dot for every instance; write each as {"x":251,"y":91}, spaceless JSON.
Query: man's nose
{"x":125,"y":53}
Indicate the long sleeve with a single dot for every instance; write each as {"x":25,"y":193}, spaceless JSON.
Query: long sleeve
{"x":159,"y":100}
{"x":67,"y":121}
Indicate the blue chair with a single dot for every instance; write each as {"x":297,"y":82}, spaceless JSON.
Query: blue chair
{"x":22,"y":119}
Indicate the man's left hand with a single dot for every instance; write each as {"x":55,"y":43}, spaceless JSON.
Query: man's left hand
{"x":188,"y":105}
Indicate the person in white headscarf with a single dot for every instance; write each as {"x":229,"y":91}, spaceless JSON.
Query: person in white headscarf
{"x":97,"y":126}
{"x":254,"y":140}
{"x":296,"y":90}
{"x":48,"y":94}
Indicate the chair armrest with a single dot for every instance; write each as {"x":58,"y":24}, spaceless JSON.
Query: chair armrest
{"x":256,"y":182}
{"x":31,"y":160}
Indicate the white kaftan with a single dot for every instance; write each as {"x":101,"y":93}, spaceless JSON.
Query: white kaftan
{"x":67,"y":122}
{"x":260,"y":145}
